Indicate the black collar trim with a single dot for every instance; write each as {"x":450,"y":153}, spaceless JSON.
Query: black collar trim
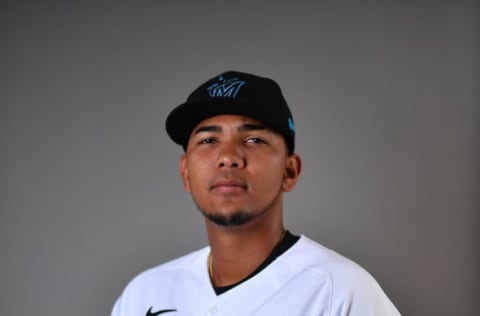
{"x":288,"y":241}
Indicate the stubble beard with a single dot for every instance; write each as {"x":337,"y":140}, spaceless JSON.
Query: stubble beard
{"x":237,"y":218}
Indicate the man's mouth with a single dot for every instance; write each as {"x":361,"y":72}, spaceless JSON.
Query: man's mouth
{"x":229,"y":185}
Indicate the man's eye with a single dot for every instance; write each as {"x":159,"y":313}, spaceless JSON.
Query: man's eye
{"x":254,"y":140}
{"x":209,"y":140}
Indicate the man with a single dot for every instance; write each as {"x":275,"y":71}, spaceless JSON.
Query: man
{"x":238,"y":135}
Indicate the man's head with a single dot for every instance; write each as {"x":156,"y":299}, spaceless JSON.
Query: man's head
{"x":233,"y":93}
{"x":239,"y":147}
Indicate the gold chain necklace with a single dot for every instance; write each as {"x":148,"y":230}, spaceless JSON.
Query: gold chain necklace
{"x":210,"y":259}
{"x":210,"y":266}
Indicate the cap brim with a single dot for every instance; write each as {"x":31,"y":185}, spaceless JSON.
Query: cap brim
{"x":183,"y":119}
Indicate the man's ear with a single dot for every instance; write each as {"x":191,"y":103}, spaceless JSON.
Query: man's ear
{"x":292,"y":172}
{"x":184,"y":172}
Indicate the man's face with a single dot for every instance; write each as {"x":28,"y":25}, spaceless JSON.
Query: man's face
{"x":236,"y":169}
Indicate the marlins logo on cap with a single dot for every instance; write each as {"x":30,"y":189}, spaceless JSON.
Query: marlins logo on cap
{"x":225,"y":87}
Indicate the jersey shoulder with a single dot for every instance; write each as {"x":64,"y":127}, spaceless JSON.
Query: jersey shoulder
{"x":156,"y":285}
{"x":169,"y":269}
{"x":308,"y":254}
{"x":350,"y":285}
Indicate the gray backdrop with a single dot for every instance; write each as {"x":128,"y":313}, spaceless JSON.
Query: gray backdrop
{"x":386,"y":101}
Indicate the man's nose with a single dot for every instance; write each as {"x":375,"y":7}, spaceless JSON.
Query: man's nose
{"x":231,"y":156}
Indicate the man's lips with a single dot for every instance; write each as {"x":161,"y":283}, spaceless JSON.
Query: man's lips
{"x":229,"y":185}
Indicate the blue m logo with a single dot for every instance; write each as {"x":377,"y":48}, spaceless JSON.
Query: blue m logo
{"x":225,"y":88}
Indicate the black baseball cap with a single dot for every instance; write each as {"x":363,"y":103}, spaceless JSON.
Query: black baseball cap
{"x":233,"y":92}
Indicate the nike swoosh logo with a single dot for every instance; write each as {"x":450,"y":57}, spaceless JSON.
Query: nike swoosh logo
{"x":163,"y":311}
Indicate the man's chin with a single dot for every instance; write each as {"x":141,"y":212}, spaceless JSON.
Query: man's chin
{"x":232,"y":220}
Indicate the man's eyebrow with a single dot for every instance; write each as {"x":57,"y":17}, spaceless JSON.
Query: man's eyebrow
{"x":252,"y":127}
{"x":241,"y":128}
{"x":208,"y":128}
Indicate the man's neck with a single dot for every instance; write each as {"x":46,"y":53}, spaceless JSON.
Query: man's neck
{"x":237,"y":252}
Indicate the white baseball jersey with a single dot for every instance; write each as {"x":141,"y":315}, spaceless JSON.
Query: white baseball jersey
{"x":308,"y":279}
